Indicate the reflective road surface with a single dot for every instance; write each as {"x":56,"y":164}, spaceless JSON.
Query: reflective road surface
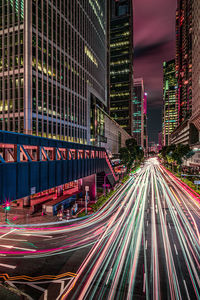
{"x":143,"y":244}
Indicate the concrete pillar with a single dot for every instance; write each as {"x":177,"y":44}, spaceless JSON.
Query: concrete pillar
{"x":89,"y":181}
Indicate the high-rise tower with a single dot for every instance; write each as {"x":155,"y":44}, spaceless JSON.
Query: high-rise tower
{"x":121,"y":63}
{"x":195,"y":118}
{"x":138,"y":108}
{"x":184,"y":58}
{"x":170,"y":113}
{"x":52,"y":66}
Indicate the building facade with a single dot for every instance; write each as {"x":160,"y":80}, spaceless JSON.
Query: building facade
{"x":116,"y":136}
{"x":184,"y":58}
{"x":121,"y":63}
{"x":195,"y":118}
{"x":138,"y":112}
{"x":107,"y":132}
{"x":160,"y":140}
{"x":188,"y":72}
{"x":145,"y":123}
{"x":170,"y":109}
{"x":52,"y":65}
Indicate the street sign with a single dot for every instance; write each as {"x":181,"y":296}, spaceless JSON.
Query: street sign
{"x":33,"y":190}
{"x":197,"y":182}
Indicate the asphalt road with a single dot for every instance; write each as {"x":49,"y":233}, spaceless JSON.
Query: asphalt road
{"x":143,"y":244}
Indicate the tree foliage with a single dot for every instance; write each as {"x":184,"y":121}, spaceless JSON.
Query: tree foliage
{"x":176,"y":153}
{"x":131,"y":153}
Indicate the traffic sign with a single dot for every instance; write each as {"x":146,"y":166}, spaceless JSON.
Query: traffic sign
{"x":197,"y":182}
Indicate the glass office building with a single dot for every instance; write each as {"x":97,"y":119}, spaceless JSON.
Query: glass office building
{"x":138,"y":112}
{"x":121,"y":63}
{"x":170,"y":109}
{"x":195,"y":118}
{"x":184,"y":58}
{"x":52,"y":63}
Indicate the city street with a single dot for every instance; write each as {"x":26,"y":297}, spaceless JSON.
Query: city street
{"x":143,"y":244}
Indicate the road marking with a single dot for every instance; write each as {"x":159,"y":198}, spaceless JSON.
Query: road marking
{"x":13,"y":247}
{"x":169,"y":226}
{"x":7,"y":233}
{"x":175,"y":249}
{"x":7,"y":266}
{"x":147,"y":223}
{"x":40,"y":282}
{"x":45,"y":294}
{"x":146,"y":245}
{"x":62,"y":285}
{"x":36,"y":287}
{"x":10,"y":283}
{"x":144,"y":280}
{"x":109,"y":275}
{"x":186,"y":289}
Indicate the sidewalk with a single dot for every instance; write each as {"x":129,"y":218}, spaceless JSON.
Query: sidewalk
{"x":26,"y":218}
{"x":23,"y":216}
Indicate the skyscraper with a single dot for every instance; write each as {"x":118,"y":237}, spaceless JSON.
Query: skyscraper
{"x":170,"y":112}
{"x":145,"y":123}
{"x":138,"y":114}
{"x":195,"y":118}
{"x":184,"y":58}
{"x":52,"y":66}
{"x":121,"y":63}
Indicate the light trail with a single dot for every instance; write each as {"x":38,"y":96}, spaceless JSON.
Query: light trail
{"x":144,"y":242}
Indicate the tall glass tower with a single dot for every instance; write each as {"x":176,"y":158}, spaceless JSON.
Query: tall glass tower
{"x":121,"y":63}
{"x":184,"y":58}
{"x":52,"y":64}
{"x":170,"y":111}
{"x":138,"y":108}
{"x":195,"y":118}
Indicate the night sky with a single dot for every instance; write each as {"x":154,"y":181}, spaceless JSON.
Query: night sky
{"x":154,"y":43}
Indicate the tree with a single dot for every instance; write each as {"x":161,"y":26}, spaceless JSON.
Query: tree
{"x":130,"y":153}
{"x":176,"y":153}
{"x":124,"y":156}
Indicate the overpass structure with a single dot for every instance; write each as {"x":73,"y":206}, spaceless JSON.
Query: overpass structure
{"x":31,"y":164}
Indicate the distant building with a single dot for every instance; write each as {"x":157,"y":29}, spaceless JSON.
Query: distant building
{"x":145,"y":123}
{"x":138,"y":111}
{"x":160,"y":141}
{"x":153,"y":147}
{"x":170,"y":111}
{"x":121,"y":63}
{"x":115,"y":136}
{"x":53,"y":57}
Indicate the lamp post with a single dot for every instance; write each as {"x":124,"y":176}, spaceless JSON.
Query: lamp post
{"x":86,"y":198}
